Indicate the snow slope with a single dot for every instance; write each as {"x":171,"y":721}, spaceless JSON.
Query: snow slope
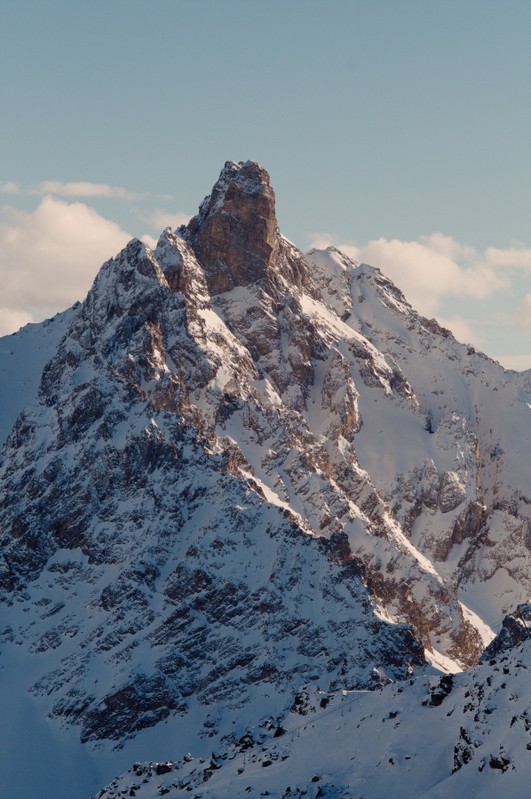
{"x":462,"y":735}
{"x":23,"y":356}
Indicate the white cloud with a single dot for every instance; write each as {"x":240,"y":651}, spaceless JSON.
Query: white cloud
{"x":50,"y":256}
{"x":160,"y":220}
{"x":71,"y":189}
{"x":524,"y":312}
{"x":82,"y":189}
{"x":320,"y":241}
{"x":517,"y":362}
{"x":149,"y":240}
{"x":157,"y":221}
{"x":510,"y":258}
{"x":461,"y":328}
{"x":9,"y":188}
{"x":11,"y":320}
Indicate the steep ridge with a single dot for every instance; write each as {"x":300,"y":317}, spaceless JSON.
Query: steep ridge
{"x":463,"y":496}
{"x":235,"y":480}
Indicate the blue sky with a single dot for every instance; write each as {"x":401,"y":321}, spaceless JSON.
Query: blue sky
{"x":397,"y":129}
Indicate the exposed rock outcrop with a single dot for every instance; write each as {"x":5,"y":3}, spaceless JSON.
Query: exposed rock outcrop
{"x":516,"y":627}
{"x":235,"y":235}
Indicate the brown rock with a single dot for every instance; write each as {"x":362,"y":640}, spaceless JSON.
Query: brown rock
{"x":235,"y":235}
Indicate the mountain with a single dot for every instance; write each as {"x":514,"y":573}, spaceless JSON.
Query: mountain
{"x":232,"y":471}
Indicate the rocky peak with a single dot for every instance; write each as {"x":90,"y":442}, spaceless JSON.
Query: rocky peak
{"x":235,"y":234}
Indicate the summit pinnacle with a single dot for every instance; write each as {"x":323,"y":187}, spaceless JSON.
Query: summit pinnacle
{"x":235,"y":234}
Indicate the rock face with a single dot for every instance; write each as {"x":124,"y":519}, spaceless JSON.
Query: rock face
{"x":235,"y":235}
{"x":516,"y":628}
{"x":246,"y":470}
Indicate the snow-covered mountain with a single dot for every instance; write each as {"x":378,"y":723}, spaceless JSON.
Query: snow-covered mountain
{"x":232,"y":471}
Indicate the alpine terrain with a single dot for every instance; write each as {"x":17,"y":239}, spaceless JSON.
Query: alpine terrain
{"x":260,"y":524}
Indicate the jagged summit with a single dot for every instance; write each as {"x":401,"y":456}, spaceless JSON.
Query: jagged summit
{"x":248,"y":176}
{"x":236,"y":239}
{"x":235,"y":234}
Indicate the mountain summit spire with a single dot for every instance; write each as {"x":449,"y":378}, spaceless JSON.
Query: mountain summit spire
{"x":235,"y":234}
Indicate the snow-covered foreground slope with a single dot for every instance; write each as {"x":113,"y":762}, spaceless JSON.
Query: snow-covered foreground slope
{"x":237,"y":470}
{"x":464,"y":735}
